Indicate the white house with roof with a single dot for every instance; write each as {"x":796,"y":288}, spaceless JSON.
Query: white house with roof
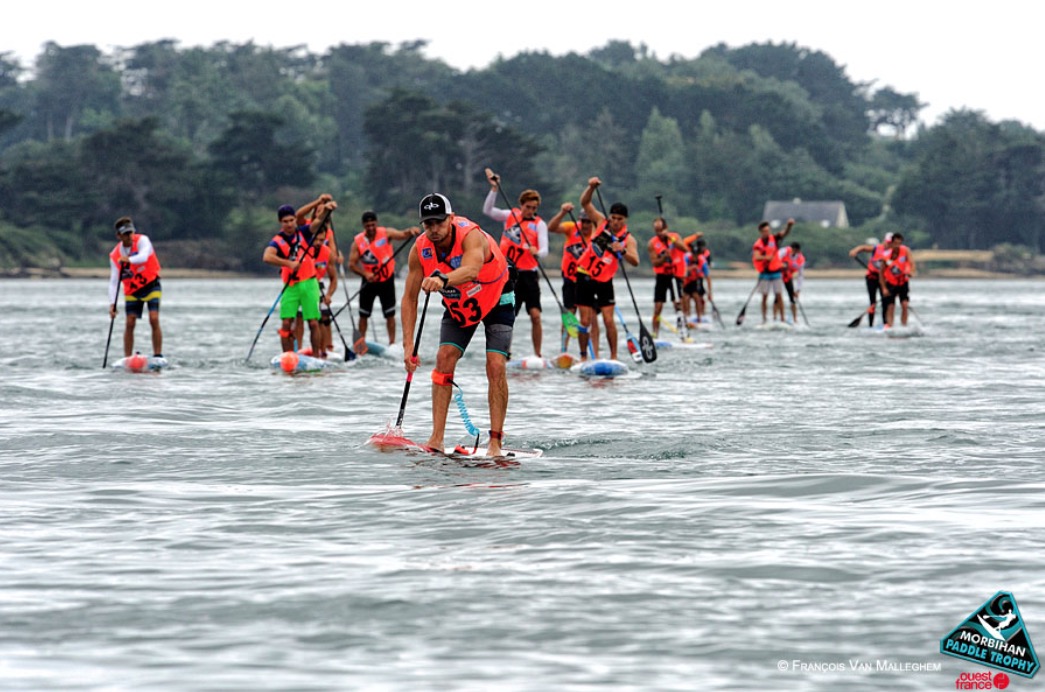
{"x":829,"y":214}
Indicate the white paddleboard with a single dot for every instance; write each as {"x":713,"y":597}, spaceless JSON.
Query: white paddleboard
{"x":141,"y":363}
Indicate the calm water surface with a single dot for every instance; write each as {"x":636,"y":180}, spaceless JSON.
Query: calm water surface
{"x":819,"y":497}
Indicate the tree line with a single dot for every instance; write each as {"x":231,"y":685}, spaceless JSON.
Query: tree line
{"x":201,"y":144}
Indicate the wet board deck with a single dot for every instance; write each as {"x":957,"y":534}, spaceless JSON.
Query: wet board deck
{"x":600,"y":368}
{"x":391,"y":442}
{"x":141,"y":363}
{"x":293,"y":363}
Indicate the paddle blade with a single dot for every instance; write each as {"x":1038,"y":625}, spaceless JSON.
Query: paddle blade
{"x":569,"y":321}
{"x":667,"y":323}
{"x":649,"y":349}
{"x":634,"y":349}
{"x":740,"y":317}
{"x":856,"y":322}
{"x":391,"y":438}
{"x":718,"y":317}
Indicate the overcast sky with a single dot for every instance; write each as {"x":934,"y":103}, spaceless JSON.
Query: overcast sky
{"x":982,"y":56}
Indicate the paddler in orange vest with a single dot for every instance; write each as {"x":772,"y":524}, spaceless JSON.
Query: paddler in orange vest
{"x":463,"y":263}
{"x":292,"y":251}
{"x":598,"y":265}
{"x":897,"y":270}
{"x":524,"y":241}
{"x":874,"y":265}
{"x":697,"y":282}
{"x":766,"y":259}
{"x":133,"y":261}
{"x":578,"y":237}
{"x":372,"y":257}
{"x":667,"y":253}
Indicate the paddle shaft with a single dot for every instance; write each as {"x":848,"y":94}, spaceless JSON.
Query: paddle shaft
{"x":112,"y":320}
{"x":357,"y":338}
{"x":743,"y":310}
{"x":348,"y":351}
{"x":649,"y":349}
{"x":413,"y":356}
{"x":352,"y":297}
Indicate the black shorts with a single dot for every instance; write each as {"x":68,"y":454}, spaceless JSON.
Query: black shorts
{"x":527,"y":291}
{"x":149,"y":294}
{"x":498,"y":323}
{"x":664,"y":284}
{"x":595,"y":294}
{"x":695,"y":288}
{"x":385,"y":290}
{"x":902,"y":292}
{"x":569,"y":294}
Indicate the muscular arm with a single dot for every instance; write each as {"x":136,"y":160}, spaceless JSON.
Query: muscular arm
{"x":353,"y":261}
{"x":475,"y":249}
{"x":631,"y":250}
{"x":594,"y":214}
{"x":408,"y":306}
{"x":396,"y":234}
{"x":272,"y":257}
{"x":555,"y":222}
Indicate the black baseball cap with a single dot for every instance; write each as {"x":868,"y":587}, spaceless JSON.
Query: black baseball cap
{"x":434,"y":207}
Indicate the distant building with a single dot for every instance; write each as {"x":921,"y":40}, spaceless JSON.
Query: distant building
{"x":827,"y":214}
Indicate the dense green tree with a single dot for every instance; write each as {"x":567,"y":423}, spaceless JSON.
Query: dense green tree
{"x":70,"y":81}
{"x":136,"y":169}
{"x":43,"y":186}
{"x":975,"y":184}
{"x":893,"y":112}
{"x":254,"y":160}
{"x":661,"y":166}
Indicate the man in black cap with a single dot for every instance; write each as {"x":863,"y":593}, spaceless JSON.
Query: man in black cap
{"x":464,"y":263}
{"x":133,"y":261}
{"x":372,"y":257}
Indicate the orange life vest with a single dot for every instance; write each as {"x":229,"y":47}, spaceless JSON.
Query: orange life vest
{"x":307,"y":268}
{"x":136,"y":276}
{"x":766,"y":246}
{"x":470,"y":302}
{"x":897,"y":267}
{"x":572,"y":249}
{"x":376,"y":255}
{"x":874,"y":266}
{"x":597,"y":263}
{"x":793,"y":262}
{"x":517,"y":240}
{"x":676,"y":266}
{"x":696,"y":269}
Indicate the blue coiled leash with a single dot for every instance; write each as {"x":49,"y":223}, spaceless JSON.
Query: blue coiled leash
{"x":465,"y":417}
